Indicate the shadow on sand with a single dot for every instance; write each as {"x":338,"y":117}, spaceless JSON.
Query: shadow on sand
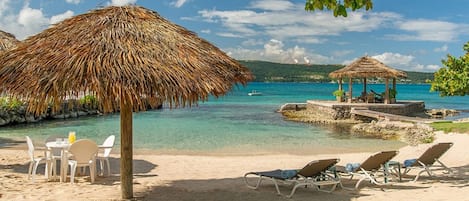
{"x":234,"y":189}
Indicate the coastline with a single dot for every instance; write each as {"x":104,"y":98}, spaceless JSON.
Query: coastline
{"x":202,"y":177}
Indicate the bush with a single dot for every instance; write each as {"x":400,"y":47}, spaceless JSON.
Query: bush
{"x":10,"y":103}
{"x":88,"y":100}
{"x":338,"y":93}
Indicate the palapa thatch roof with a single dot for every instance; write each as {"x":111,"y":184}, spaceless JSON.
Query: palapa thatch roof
{"x":367,"y":67}
{"x":7,"y":41}
{"x":129,"y":51}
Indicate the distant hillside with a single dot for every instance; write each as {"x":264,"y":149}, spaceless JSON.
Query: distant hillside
{"x":277,"y":72}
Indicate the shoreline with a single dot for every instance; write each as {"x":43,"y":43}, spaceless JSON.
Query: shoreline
{"x":202,"y":177}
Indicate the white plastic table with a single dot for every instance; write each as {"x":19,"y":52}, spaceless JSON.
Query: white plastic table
{"x":63,"y":146}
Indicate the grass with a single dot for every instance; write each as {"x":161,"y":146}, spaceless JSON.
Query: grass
{"x":448,"y":127}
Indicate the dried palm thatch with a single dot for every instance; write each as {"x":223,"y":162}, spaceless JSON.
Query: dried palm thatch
{"x":7,"y":41}
{"x":367,"y":67}
{"x":118,"y":51}
{"x":127,"y":57}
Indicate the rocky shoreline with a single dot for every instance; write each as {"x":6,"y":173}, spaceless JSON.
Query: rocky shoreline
{"x":69,"y":109}
{"x":408,"y":132}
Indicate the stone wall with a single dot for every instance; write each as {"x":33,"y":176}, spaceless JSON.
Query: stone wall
{"x":19,"y":115}
{"x":340,"y":111}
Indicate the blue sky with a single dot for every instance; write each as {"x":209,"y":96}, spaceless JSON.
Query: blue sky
{"x":409,"y":35}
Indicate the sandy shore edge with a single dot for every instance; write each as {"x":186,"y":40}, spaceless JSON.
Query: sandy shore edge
{"x":200,"y":177}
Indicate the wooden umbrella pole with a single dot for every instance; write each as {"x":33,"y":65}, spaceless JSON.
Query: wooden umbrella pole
{"x":126,"y":149}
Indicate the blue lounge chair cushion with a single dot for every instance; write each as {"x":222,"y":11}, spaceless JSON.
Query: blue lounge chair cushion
{"x":351,"y":167}
{"x":287,"y":174}
{"x":278,"y":174}
{"x":409,"y":162}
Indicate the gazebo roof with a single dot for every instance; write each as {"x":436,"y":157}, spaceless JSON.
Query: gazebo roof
{"x":367,"y":67}
{"x":7,"y":41}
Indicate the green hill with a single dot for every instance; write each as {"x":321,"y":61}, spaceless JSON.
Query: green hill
{"x":276,"y":72}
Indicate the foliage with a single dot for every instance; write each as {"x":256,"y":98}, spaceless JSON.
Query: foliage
{"x":339,"y":8}
{"x":338,"y":93}
{"x":10,"y":103}
{"x":453,"y":79}
{"x":88,"y":100}
{"x":448,"y":127}
{"x":392,"y":93}
{"x":275,"y":72}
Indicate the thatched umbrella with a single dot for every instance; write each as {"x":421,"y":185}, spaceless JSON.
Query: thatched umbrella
{"x":7,"y":41}
{"x":128,"y":57}
{"x":365,"y":67}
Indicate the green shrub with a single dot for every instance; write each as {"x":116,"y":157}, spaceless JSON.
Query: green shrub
{"x":88,"y":100}
{"x":338,"y":93}
{"x":10,"y":103}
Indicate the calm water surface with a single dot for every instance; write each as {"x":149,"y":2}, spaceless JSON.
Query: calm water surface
{"x":236,"y":123}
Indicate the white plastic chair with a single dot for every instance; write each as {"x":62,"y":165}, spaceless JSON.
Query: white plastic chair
{"x":35,"y":161}
{"x":84,"y":155}
{"x":107,"y":147}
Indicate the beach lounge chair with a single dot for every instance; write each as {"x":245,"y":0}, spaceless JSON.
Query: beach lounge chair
{"x":426,"y":162}
{"x":373,"y":169}
{"x":313,"y":174}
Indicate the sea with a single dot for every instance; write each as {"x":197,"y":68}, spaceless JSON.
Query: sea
{"x":237,"y":124}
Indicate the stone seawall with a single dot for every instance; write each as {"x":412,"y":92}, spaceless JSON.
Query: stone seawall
{"x":71,"y":109}
{"x":340,"y":111}
{"x":19,"y":115}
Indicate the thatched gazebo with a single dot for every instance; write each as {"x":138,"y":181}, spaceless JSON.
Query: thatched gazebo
{"x":7,"y":41}
{"x":364,"y":68}
{"x":128,"y":58}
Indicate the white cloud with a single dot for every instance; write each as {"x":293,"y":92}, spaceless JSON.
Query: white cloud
{"x":402,"y":62}
{"x":178,"y":3}
{"x":392,"y":59}
{"x":206,"y":31}
{"x":58,"y":18}
{"x":121,"y":2}
{"x":31,"y":18}
{"x":273,"y":5}
{"x":73,"y":1}
{"x":275,"y":51}
{"x":444,"y":48}
{"x":27,"y":21}
{"x":292,"y":22}
{"x":427,"y":30}
{"x":252,"y":42}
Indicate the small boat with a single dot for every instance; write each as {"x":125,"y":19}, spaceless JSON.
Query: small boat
{"x":254,"y":93}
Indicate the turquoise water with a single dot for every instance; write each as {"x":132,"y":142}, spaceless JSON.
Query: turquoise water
{"x":236,"y":123}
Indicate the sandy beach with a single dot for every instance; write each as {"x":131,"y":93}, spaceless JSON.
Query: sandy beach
{"x":198,"y":177}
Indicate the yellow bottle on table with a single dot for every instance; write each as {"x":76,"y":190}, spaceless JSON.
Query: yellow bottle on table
{"x":71,"y":137}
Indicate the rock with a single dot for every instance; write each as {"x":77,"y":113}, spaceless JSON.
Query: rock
{"x":3,"y":122}
{"x":412,"y":133}
{"x":441,"y":113}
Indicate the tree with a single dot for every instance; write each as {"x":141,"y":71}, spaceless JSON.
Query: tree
{"x":453,"y":80}
{"x":337,"y":6}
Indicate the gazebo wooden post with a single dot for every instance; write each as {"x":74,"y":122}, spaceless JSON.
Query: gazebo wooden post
{"x":340,"y":84}
{"x":364,"y":84}
{"x":394,"y":83}
{"x":349,"y":90}
{"x":126,"y":149}
{"x":386,"y":92}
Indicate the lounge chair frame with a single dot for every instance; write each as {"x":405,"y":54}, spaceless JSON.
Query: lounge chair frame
{"x":427,"y":161}
{"x":313,"y":174}
{"x":374,"y":169}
